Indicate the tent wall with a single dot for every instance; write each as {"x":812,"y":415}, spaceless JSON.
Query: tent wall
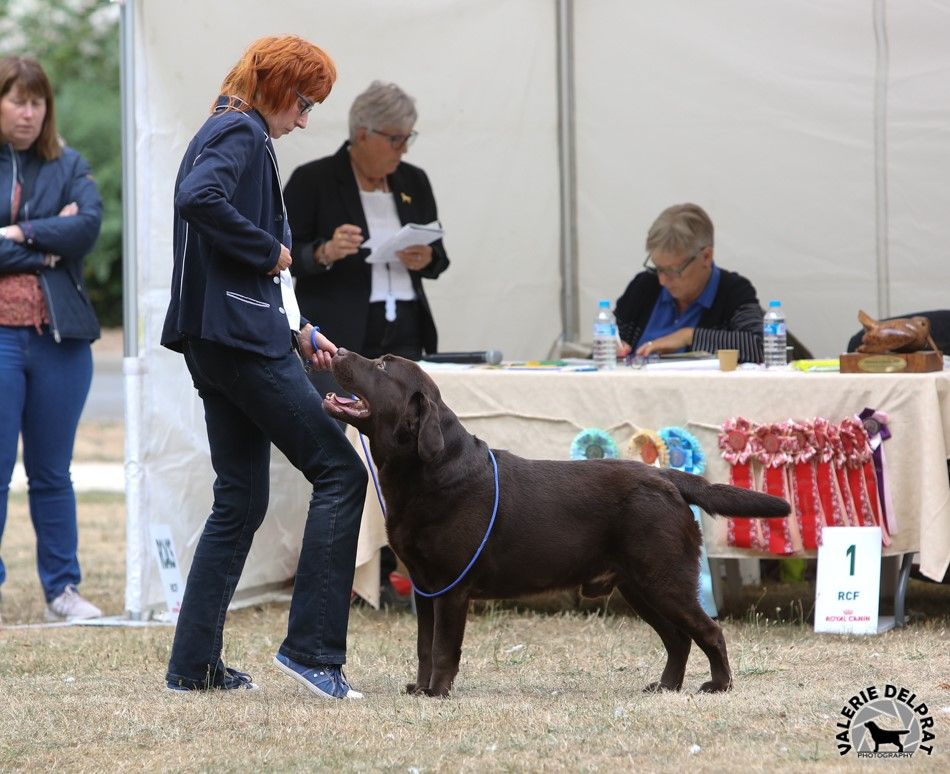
{"x":815,"y":133}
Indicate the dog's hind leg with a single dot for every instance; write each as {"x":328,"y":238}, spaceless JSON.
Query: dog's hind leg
{"x":686,"y":614}
{"x":424,"y":627}
{"x":676,"y":642}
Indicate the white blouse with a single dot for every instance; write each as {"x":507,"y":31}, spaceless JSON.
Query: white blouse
{"x":390,"y":280}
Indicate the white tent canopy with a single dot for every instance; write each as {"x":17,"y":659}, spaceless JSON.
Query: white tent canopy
{"x":816,"y":135}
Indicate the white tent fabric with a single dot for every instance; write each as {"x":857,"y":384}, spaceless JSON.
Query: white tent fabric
{"x":817,"y":136}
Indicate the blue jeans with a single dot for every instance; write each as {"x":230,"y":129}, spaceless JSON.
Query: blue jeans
{"x":43,"y":387}
{"x":251,"y":401}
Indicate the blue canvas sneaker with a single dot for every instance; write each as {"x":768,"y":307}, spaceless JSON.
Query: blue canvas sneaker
{"x":325,"y":680}
{"x":233,"y":681}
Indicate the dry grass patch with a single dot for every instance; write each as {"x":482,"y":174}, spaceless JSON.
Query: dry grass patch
{"x":537,"y":691}
{"x":100,"y":442}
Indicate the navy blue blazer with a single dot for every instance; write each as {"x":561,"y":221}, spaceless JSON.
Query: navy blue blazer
{"x":57,"y":183}
{"x":229,"y":223}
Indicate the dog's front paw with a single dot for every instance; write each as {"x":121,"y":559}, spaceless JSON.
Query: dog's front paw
{"x":711,"y":686}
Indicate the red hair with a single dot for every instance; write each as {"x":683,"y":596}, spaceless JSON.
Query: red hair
{"x":28,"y":74}
{"x":273,"y":69}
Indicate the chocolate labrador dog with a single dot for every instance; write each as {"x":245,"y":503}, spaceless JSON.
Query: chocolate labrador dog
{"x":597,"y":524}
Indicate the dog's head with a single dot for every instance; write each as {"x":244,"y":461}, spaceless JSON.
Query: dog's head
{"x":394,"y":403}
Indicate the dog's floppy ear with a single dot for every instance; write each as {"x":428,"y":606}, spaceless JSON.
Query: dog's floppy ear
{"x":429,"y":428}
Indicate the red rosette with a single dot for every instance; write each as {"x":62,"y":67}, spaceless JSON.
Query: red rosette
{"x":735,"y":447}
{"x":804,"y":482}
{"x":772,"y":445}
{"x":859,"y":467}
{"x":829,"y":492}
{"x":850,"y":435}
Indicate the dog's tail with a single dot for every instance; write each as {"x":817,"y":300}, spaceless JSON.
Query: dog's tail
{"x":725,"y":499}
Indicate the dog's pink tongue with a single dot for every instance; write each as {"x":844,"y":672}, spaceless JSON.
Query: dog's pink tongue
{"x":355,"y":407}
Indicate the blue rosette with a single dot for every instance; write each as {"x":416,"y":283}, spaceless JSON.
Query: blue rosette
{"x":594,"y":444}
{"x":684,"y":450}
{"x":686,"y":454}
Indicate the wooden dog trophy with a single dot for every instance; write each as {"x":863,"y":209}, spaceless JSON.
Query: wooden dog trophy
{"x":902,"y":345}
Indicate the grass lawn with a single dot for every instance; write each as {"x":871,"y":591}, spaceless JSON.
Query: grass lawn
{"x":538,"y":689}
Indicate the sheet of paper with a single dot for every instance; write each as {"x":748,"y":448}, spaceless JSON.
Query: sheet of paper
{"x":711,"y":364}
{"x":409,"y":235}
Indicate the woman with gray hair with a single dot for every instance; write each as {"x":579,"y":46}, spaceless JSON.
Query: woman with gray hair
{"x":335,"y":203}
{"x":682,"y":300}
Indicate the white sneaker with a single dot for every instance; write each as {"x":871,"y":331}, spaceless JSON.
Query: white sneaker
{"x":70,"y":606}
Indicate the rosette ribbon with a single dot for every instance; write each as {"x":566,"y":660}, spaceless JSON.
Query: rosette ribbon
{"x":875,"y":425}
{"x":859,"y":471}
{"x":686,"y":454}
{"x":804,"y":483}
{"x":735,"y":446}
{"x":593,"y":444}
{"x":772,"y":444}
{"x":649,"y":447}
{"x":855,"y":451}
{"x":829,"y":492}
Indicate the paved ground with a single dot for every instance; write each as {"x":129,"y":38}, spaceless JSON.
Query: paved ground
{"x":106,"y":403}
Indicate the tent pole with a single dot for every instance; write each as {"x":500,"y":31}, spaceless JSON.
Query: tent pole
{"x":882,"y":65}
{"x":131,"y":364}
{"x":567,"y":164}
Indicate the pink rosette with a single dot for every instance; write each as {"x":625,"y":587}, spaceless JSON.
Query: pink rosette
{"x":859,"y":473}
{"x":773,"y":444}
{"x":805,"y":445}
{"x":734,"y":440}
{"x":735,"y":446}
{"x":802,"y":479}
{"x":855,"y":447}
{"x":827,"y":442}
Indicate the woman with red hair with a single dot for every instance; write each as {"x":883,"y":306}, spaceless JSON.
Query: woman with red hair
{"x":234,"y":317}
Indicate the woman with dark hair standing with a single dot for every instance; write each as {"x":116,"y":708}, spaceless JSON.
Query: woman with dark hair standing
{"x":51,"y":213}
{"x":234,"y":316}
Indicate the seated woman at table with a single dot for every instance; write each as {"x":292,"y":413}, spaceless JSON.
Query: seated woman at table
{"x":682,"y":300}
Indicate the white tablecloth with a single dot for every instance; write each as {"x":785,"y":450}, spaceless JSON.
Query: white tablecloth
{"x":538,"y":413}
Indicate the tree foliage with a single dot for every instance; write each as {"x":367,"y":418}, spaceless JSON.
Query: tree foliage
{"x":77,"y":42}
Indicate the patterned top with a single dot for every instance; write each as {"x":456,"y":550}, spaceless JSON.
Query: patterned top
{"x":22,"y":302}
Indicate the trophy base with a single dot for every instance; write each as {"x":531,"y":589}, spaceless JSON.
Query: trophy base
{"x":892,"y":362}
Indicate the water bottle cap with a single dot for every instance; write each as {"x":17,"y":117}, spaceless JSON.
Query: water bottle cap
{"x":775,"y":303}
{"x":604,"y":304}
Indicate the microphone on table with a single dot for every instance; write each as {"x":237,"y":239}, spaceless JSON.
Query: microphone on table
{"x":489,"y":356}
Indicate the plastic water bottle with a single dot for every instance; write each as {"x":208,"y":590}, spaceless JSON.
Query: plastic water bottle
{"x":773,"y":336}
{"x":605,"y":337}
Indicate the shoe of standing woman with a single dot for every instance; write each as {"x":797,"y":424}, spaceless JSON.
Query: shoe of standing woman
{"x":71,"y":606}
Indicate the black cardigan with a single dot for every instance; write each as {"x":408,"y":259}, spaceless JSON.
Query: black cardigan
{"x":322,"y":195}
{"x":734,"y":321}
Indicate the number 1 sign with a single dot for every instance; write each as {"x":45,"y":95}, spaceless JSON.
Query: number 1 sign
{"x":849,"y":580}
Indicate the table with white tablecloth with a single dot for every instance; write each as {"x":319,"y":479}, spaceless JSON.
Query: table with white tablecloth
{"x":537,"y":413}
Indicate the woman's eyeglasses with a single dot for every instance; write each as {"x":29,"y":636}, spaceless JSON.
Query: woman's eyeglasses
{"x":675,"y":273}
{"x":304,"y":105}
{"x":398,"y":141}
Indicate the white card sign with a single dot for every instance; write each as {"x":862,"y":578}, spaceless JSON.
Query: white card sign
{"x":168,"y":567}
{"x":849,"y":580}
